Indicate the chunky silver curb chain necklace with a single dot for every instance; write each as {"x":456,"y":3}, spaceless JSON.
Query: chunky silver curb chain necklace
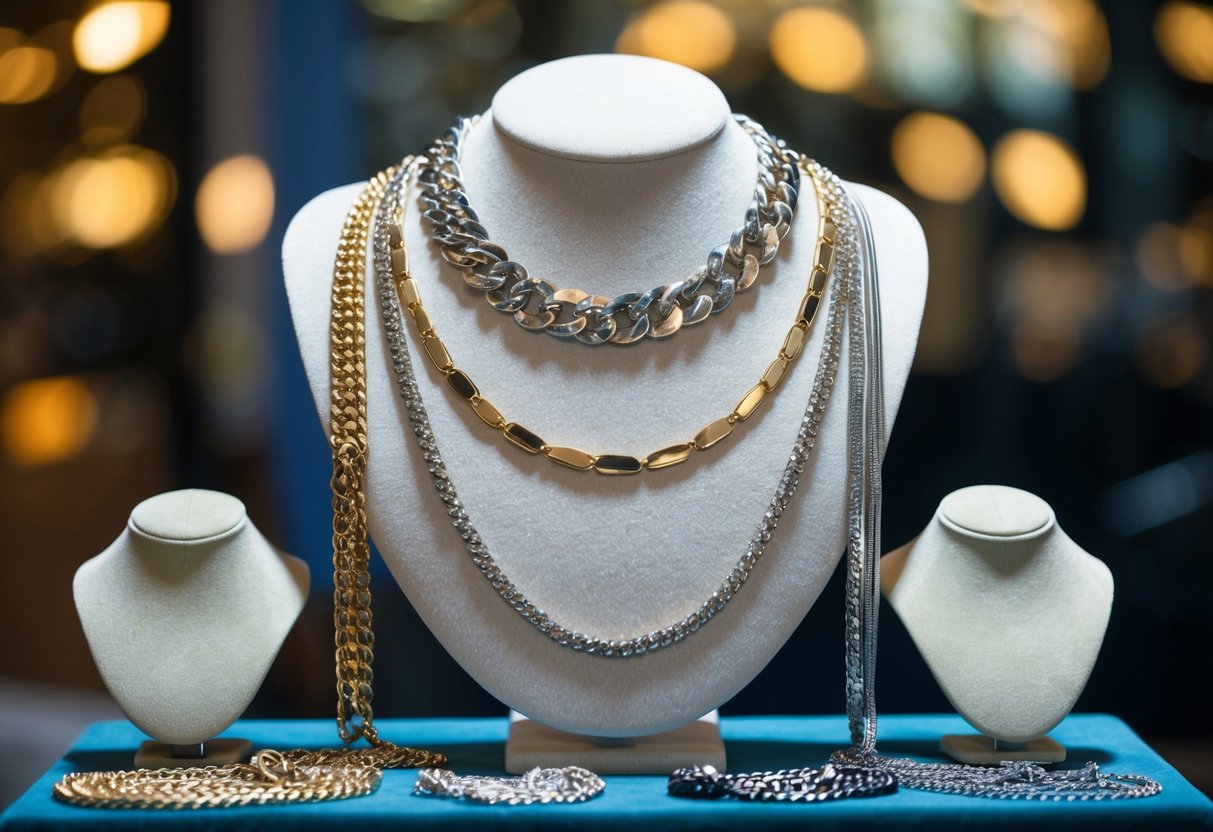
{"x":592,"y":319}
{"x":797,"y":785}
{"x":845,"y":270}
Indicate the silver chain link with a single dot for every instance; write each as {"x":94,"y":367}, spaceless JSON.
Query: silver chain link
{"x":592,"y":319}
{"x":845,"y":269}
{"x":571,"y":784}
{"x":797,"y":785}
{"x":865,"y":447}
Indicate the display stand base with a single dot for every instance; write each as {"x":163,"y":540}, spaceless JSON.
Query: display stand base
{"x":980,"y":750}
{"x":532,"y":744}
{"x":219,"y":752}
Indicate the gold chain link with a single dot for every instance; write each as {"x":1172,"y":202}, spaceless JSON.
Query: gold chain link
{"x":270,"y":778}
{"x":305,"y":774}
{"x":352,"y":622}
{"x":616,"y":464}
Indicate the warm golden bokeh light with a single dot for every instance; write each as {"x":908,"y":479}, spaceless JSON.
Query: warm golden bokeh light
{"x":1184,"y":33}
{"x":116,"y":34}
{"x":26,"y":74}
{"x":113,"y":199}
{"x":27,"y":223}
{"x":112,"y":110}
{"x":689,"y":32}
{"x":1165,"y":254}
{"x":1040,"y":179}
{"x":47,"y":420}
{"x":235,"y":204}
{"x":1172,"y":351}
{"x":1044,"y":351}
{"x":1196,"y":245}
{"x":820,"y":49}
{"x":938,"y":156}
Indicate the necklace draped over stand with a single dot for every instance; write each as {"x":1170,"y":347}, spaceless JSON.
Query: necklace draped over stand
{"x":865,"y":446}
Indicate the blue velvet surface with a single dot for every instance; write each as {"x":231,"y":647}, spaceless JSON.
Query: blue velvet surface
{"x":753,"y":743}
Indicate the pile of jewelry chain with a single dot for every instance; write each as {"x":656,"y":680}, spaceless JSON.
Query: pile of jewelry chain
{"x":797,"y":785}
{"x":270,"y":778}
{"x":571,"y":784}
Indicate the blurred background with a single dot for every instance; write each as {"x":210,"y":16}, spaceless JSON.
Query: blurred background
{"x":1057,"y":153}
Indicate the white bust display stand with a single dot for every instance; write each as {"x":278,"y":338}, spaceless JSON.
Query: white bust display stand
{"x":610,"y":174}
{"x":184,"y":613}
{"x":1009,"y":614}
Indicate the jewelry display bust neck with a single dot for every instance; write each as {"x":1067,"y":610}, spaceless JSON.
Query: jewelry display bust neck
{"x":185,"y":612}
{"x":1008,"y":612}
{"x":640,"y":171}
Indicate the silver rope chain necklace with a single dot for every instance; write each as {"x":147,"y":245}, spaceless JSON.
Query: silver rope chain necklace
{"x":845,"y":270}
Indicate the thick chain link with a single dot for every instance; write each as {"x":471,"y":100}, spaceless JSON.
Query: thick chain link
{"x":571,"y":784}
{"x":352,"y":622}
{"x":537,"y":304}
{"x":270,"y":778}
{"x":389,"y":263}
{"x":796,"y":785}
{"x":614,"y":464}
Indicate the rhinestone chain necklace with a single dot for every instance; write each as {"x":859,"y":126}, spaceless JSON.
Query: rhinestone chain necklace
{"x":388,"y":213}
{"x":591,"y":319}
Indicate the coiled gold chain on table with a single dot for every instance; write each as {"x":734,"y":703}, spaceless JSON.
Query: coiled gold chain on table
{"x":271,"y":778}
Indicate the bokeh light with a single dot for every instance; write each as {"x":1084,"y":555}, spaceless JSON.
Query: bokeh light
{"x":47,"y":420}
{"x":1171,"y":351}
{"x":235,"y":204}
{"x":938,"y":156}
{"x":114,"y":198}
{"x":926,"y":53}
{"x":26,"y":73}
{"x":689,"y":32}
{"x":112,"y":110}
{"x":1045,"y":351}
{"x":1077,"y":31}
{"x":1040,"y":179}
{"x":1184,"y":33}
{"x":820,"y":49}
{"x":114,"y":35}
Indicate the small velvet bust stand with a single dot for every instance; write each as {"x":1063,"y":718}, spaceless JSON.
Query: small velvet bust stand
{"x":184,"y":614}
{"x":1009,"y":614}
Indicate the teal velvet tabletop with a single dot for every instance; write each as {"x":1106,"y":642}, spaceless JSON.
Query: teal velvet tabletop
{"x":752,"y":743}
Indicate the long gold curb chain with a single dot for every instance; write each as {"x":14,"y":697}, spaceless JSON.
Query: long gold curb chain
{"x":353,"y":632}
{"x":305,"y":775}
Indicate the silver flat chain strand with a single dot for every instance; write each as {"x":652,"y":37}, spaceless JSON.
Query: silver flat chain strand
{"x":845,"y":272}
{"x":571,"y":784}
{"x":865,"y":447}
{"x":591,"y":319}
{"x":797,"y":785}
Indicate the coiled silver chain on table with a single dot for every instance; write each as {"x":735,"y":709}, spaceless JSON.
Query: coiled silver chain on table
{"x":797,"y":785}
{"x":571,"y":784}
{"x":845,"y":271}
{"x":593,"y":319}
